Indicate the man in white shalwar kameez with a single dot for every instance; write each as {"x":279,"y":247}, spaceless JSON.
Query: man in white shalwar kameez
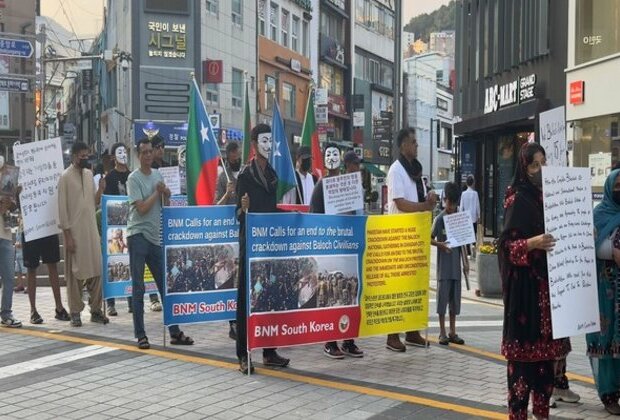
{"x":82,"y":244}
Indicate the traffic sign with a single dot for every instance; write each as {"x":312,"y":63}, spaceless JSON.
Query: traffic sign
{"x":14,"y":85}
{"x":16,"y":47}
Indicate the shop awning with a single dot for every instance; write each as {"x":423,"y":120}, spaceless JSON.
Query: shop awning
{"x":374,"y":170}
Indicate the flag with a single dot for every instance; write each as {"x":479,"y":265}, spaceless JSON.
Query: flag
{"x":280,"y":158}
{"x":247,"y":151}
{"x":310,"y":138}
{"x":202,"y":153}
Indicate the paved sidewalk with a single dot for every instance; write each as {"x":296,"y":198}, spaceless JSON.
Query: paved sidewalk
{"x":470,"y":377}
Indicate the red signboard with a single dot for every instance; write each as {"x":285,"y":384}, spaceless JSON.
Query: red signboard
{"x":212,"y":71}
{"x":577,"y":92}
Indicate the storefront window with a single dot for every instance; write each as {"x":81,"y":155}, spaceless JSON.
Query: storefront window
{"x":331,"y":79}
{"x":596,"y":146}
{"x":596,"y":33}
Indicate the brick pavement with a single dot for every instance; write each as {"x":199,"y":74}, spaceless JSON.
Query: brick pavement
{"x":439,"y":373}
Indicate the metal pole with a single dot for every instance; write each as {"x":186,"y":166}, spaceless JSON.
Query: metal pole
{"x":397,"y":72}
{"x":42,"y":119}
{"x":430,"y":148}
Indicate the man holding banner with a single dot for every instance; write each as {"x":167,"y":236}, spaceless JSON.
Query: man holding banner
{"x":147,"y":192}
{"x":407,"y":194}
{"x":317,"y":205}
{"x":257,"y":193}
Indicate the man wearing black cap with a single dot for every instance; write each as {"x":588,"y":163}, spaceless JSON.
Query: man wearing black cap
{"x":305,"y":179}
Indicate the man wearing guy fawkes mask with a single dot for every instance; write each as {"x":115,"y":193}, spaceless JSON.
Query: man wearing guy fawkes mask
{"x":331,"y":159}
{"x":256,"y":193}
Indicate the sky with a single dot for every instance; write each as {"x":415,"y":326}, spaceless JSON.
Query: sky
{"x":413,"y":8}
{"x":86,"y":16}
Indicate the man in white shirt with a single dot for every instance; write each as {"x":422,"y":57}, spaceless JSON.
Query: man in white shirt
{"x":470,"y":203}
{"x":407,"y":194}
{"x":305,"y":179}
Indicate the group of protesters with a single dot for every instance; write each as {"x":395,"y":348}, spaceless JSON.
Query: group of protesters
{"x":536,"y":361}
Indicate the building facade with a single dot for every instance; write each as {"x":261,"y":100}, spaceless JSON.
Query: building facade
{"x":510,"y":60}
{"x":374,"y":32}
{"x":593,"y":88}
{"x":228,"y":62}
{"x":284,"y":71}
{"x":17,"y":109}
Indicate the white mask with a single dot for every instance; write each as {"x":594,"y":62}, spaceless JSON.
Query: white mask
{"x":264,"y":145}
{"x":181,"y":156}
{"x":120,"y":154}
{"x":1,"y":162}
{"x":332,"y":158}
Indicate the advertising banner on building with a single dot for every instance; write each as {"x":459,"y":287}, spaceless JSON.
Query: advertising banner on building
{"x":40,"y":167}
{"x":201,"y":261}
{"x":572,"y":262}
{"x":315,"y":278}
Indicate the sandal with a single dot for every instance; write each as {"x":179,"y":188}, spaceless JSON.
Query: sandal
{"x":181,"y":340}
{"x":143,"y":343}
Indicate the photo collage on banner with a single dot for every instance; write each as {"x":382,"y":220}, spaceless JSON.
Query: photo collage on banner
{"x":201,"y":256}
{"x":317,"y":278}
{"x":116,"y":273}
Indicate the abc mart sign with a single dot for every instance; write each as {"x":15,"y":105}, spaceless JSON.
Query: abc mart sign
{"x":511,"y":93}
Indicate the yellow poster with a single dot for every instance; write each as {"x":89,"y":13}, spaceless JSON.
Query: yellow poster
{"x":396,"y":274}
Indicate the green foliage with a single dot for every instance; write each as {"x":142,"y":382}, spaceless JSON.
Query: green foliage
{"x":439,"y":20}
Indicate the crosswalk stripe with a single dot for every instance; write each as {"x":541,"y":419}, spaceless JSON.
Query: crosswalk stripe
{"x":53,"y":360}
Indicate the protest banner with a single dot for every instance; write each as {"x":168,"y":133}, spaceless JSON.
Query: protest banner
{"x":571,"y":264}
{"x":459,"y":229}
{"x":172,"y":179}
{"x":41,"y":166}
{"x":343,"y":193}
{"x":115,"y":254}
{"x":553,"y":136}
{"x":201,"y":257}
{"x":315,"y":278}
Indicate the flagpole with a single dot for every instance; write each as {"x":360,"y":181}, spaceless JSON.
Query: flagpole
{"x":210,"y":126}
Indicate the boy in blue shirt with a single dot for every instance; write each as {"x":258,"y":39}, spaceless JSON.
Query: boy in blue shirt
{"x":448,"y":268}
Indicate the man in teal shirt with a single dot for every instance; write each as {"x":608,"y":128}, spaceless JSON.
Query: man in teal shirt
{"x":147,"y":191}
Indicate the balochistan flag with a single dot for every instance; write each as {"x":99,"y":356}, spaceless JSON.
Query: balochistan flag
{"x":310,"y":138}
{"x":247,"y":152}
{"x":280,"y":158}
{"x":202,"y":153}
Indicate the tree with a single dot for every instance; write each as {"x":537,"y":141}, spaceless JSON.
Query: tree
{"x":439,"y":20}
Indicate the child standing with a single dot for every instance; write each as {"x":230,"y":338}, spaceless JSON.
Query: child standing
{"x":448,"y":269}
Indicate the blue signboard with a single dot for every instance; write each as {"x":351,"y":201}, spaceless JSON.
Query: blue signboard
{"x":174,"y":133}
{"x":468,"y":159}
{"x":201,"y":261}
{"x":16,"y":47}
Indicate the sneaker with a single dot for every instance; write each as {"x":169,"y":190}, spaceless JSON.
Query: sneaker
{"x":455,"y":339}
{"x":274,"y":359}
{"x":415,"y":339}
{"x":112,"y":311}
{"x":143,"y":343}
{"x":552,"y":403}
{"x":243,"y":366}
{"x":232,"y":332}
{"x":332,"y":351}
{"x":62,"y":315}
{"x":443,"y":340}
{"x":350,"y":349}
{"x":18,"y":289}
{"x":76,"y":321}
{"x":11,"y":322}
{"x":393,"y":343}
{"x":35,"y":318}
{"x":613,"y":408}
{"x":156,"y":306}
{"x":99,"y":318}
{"x":565,"y":395}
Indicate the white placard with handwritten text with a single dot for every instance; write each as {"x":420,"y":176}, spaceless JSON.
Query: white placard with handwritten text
{"x":567,"y":197}
{"x":172,"y":179}
{"x":41,"y":166}
{"x":343,"y":193}
{"x":553,"y":136}
{"x":459,"y":229}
